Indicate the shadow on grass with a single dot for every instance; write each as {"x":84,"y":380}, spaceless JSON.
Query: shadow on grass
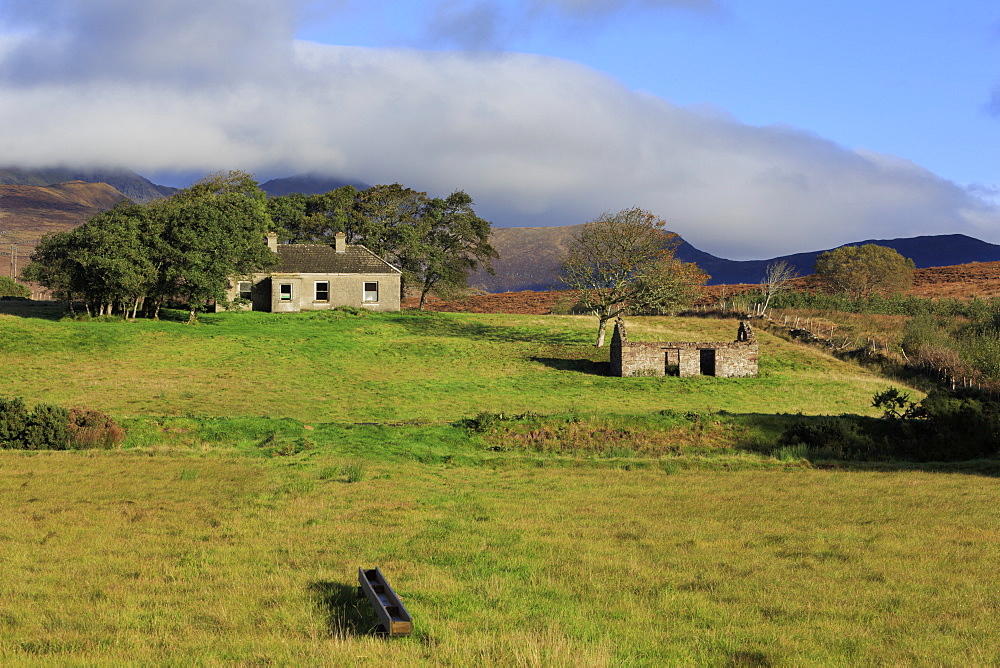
{"x":433,"y":325}
{"x":29,"y":308}
{"x":586,"y":366}
{"x":348,"y":613}
{"x":762,"y":433}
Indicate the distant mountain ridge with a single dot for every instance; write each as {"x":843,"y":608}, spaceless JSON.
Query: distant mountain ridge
{"x":28,"y":212}
{"x":137,"y":188}
{"x":308,"y":184}
{"x":529,"y":257}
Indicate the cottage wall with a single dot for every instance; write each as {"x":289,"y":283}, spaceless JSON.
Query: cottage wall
{"x":345,"y":290}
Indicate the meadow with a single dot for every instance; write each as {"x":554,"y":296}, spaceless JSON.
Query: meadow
{"x":410,"y":366}
{"x":637,"y":521}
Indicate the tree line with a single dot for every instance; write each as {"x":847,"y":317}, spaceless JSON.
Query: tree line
{"x":187,"y":249}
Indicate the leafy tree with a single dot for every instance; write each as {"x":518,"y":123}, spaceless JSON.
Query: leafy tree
{"x":112,"y":256}
{"x":385,"y":218}
{"x":11,"y":288}
{"x":315,"y":218}
{"x":211,"y":232}
{"x":53,"y":266}
{"x":863,"y":271}
{"x":447,"y":243}
{"x":625,"y":261}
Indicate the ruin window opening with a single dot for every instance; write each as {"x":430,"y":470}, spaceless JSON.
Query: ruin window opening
{"x":285,"y":292}
{"x":245,"y":289}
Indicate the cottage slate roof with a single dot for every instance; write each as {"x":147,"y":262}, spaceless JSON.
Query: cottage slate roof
{"x":324,"y":259}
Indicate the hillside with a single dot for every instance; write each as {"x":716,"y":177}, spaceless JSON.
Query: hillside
{"x":135,"y":187}
{"x":976,"y":279}
{"x":529,"y":257}
{"x":308,"y":184}
{"x":29,"y":212}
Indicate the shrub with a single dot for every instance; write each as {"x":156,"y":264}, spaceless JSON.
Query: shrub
{"x":11,"y":288}
{"x":47,"y":428}
{"x":93,"y":429}
{"x":13,"y":422}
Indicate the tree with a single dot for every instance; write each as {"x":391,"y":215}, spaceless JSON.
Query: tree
{"x":777,"y":277}
{"x":52,"y":266}
{"x":104,"y":262}
{"x":625,"y":261}
{"x":446,"y":242}
{"x":210,"y":233}
{"x":863,"y":271}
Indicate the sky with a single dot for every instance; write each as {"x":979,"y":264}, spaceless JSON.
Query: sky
{"x":754,"y":129}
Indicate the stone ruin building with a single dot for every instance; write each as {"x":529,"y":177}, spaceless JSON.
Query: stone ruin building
{"x":730,"y":359}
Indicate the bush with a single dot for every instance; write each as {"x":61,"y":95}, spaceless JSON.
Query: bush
{"x":13,"y":422}
{"x":50,"y":427}
{"x":88,"y":428}
{"x":47,"y":428}
{"x":11,"y":288}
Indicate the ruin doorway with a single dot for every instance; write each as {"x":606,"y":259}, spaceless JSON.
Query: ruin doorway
{"x":708,"y":361}
{"x":672,"y":362}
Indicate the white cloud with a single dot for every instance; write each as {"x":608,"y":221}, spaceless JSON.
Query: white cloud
{"x":535,"y":140}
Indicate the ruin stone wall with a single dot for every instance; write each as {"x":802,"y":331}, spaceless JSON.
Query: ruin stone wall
{"x":729,"y":359}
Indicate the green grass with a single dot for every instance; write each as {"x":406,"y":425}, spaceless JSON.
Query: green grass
{"x":160,"y":558}
{"x":395,"y":367}
{"x":637,"y":521}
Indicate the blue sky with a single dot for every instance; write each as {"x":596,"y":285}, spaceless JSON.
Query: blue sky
{"x":754,"y":128}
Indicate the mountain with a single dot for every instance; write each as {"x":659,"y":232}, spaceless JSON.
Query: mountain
{"x":28,"y":212}
{"x":529,"y":257}
{"x":307,"y":184}
{"x":137,"y":188}
{"x":941,"y":250}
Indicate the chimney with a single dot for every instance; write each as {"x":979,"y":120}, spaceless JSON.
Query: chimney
{"x":341,"y":242}
{"x":272,"y":242}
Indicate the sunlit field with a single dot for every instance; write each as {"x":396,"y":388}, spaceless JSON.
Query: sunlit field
{"x":396,"y":367}
{"x":165,"y":558}
{"x":637,"y":521}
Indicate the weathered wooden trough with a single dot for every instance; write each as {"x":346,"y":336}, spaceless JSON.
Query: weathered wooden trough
{"x":396,"y":621}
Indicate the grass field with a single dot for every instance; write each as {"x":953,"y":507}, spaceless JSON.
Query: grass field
{"x":639,"y":522}
{"x":126,"y":557}
{"x":395,"y":367}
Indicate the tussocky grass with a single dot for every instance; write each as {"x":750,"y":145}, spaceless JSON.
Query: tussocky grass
{"x":166,"y":558}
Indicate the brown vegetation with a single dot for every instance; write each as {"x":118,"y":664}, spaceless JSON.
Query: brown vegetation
{"x":963,"y":281}
{"x":29,"y":212}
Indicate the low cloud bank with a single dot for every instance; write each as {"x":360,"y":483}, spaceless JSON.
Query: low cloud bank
{"x":535,"y":140}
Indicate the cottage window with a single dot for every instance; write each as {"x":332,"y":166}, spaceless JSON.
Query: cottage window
{"x":322,"y":291}
{"x":245,"y":288}
{"x":371,"y":293}
{"x":285,"y":292}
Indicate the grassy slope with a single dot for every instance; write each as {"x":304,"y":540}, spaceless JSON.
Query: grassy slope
{"x":388,"y":367}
